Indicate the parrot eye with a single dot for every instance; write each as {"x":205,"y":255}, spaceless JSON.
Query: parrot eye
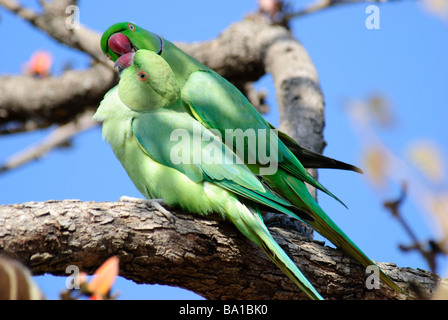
{"x":131,"y":27}
{"x":108,"y":56}
{"x":142,"y":76}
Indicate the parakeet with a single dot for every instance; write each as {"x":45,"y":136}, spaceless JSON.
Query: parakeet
{"x":220,"y":106}
{"x":140,"y":116}
{"x":127,"y":37}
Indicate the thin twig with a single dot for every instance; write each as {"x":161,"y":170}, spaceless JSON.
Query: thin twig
{"x":429,"y":254}
{"x":56,"y":138}
{"x":320,"y":5}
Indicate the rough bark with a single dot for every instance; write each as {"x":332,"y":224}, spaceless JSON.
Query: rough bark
{"x":36,"y":103}
{"x":298,"y":91}
{"x":207,"y":256}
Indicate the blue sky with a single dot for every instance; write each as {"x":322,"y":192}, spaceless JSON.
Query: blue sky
{"x":405,"y":60}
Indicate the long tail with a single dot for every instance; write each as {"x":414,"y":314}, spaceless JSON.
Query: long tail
{"x":296,"y":192}
{"x":311,"y":159}
{"x":326,"y":227}
{"x":250,"y":223}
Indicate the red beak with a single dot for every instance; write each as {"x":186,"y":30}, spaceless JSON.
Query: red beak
{"x":124,"y":61}
{"x":119,"y":44}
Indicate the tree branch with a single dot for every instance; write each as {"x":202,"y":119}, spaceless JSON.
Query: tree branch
{"x":320,"y":5}
{"x":207,"y":256}
{"x":58,"y":137}
{"x":53,"y":21}
{"x":27,"y":103}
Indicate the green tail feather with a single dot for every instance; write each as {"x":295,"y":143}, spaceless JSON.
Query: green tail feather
{"x":296,"y":192}
{"x":327,"y":228}
{"x":252,"y":226}
{"x":295,"y":168}
{"x":311,"y":159}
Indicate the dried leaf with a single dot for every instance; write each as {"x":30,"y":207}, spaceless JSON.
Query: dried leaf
{"x":16,"y":282}
{"x":375,"y":162}
{"x":428,"y":159}
{"x":438,"y":8}
{"x":104,"y":278}
{"x":271,"y":7}
{"x":439,"y":206}
{"x":441,"y":292}
{"x":380,"y":110}
{"x":40,"y":64}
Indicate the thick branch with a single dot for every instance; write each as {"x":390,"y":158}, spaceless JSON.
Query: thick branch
{"x":37,"y":103}
{"x":53,"y":21}
{"x":320,"y":5}
{"x":207,"y":256}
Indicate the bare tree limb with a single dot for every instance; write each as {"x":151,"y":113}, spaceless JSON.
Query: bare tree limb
{"x":207,"y":256}
{"x":27,"y":103}
{"x":53,"y":21}
{"x":320,"y":5}
{"x":56,"y":138}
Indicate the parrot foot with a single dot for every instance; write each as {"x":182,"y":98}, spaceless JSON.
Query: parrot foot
{"x":155,"y":203}
{"x":130,"y":199}
{"x":286,"y":222}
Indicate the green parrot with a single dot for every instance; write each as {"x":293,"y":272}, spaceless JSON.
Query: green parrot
{"x":220,"y":106}
{"x":127,"y":37}
{"x":140,"y":116}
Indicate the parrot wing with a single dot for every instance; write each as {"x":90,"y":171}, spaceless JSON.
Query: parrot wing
{"x":184,"y":144}
{"x":219,"y":105}
{"x":157,"y":134}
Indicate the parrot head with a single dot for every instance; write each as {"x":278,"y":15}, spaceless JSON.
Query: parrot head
{"x":125,"y":37}
{"x":146,"y":81}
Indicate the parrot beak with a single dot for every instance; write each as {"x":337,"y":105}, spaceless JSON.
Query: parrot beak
{"x":120,"y":44}
{"x":124,"y":61}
